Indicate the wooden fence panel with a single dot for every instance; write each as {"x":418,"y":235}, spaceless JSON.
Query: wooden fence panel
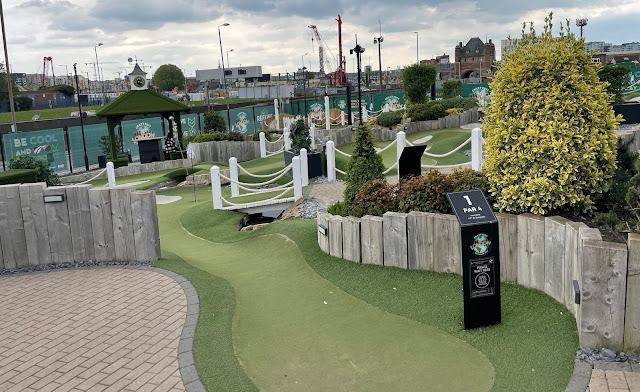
{"x":554,"y":258}
{"x":34,"y":217}
{"x":395,"y":239}
{"x":508,"y":229}
{"x":59,"y":226}
{"x":372,"y":240}
{"x":632,"y":307}
{"x":146,"y":231}
{"x":573,"y":266}
{"x":12,"y":236}
{"x":102,"y":224}
{"x":420,"y":240}
{"x":530,"y":269}
{"x":323,"y":239}
{"x":447,"y":244}
{"x":351,"y":239}
{"x":80,"y":221}
{"x":122,"y":223}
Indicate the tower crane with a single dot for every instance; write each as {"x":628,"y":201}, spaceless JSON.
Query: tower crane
{"x":47,"y":60}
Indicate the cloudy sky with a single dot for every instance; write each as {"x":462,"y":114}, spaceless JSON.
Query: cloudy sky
{"x":274,"y":33}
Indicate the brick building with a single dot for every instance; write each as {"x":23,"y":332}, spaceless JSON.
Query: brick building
{"x":444,"y":67}
{"x":475,"y":59}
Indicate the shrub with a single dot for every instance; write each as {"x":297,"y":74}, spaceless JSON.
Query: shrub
{"x":389,"y":119}
{"x":614,"y":198}
{"x":466,"y":179}
{"x":374,"y":197}
{"x":338,"y":208}
{"x":417,"y":80}
{"x":633,"y":198}
{"x":105,"y":144}
{"x":617,"y":77}
{"x":364,"y":165}
{"x":121,"y":160}
{"x":427,"y":111}
{"x":300,"y":137}
{"x":22,"y":104}
{"x":451,"y":88}
{"x":453,"y":111}
{"x":18,"y":176}
{"x":256,"y":136}
{"x":550,"y":130}
{"x":464,"y":103}
{"x":425,"y":193}
{"x":236,"y":136}
{"x":214,"y":121}
{"x":44,"y":172}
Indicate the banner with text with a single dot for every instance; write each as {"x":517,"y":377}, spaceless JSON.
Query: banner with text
{"x":47,"y":145}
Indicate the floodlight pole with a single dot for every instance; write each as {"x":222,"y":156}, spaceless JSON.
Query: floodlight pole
{"x":224,"y":76}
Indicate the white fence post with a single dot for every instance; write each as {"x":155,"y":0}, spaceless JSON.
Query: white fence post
{"x":304,"y":166}
{"x":400,"y":137}
{"x":365,"y":115}
{"x":233,"y":170}
{"x":297,"y":180}
{"x":216,"y":191}
{"x":341,"y":117}
{"x":476,"y":149}
{"x":353,"y":118}
{"x":263,"y":145}
{"x":312,"y":133}
{"x":327,"y":113}
{"x":331,"y":161}
{"x":111,"y":175}
{"x":277,"y":110}
{"x":287,"y":140}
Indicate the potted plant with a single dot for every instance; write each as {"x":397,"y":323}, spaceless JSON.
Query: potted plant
{"x":301,"y":138}
{"x":105,"y":146}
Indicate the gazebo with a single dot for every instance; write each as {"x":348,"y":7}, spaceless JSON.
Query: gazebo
{"x":140,"y":101}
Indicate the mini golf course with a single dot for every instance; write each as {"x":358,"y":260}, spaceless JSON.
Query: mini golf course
{"x":276,"y":313}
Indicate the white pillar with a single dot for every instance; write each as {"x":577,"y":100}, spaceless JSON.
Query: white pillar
{"x":476,"y":149}
{"x":233,"y":171}
{"x":111,"y":175}
{"x":263,"y":145}
{"x":297,"y":180}
{"x":216,"y":191}
{"x":342,"y":117}
{"x":312,"y":133}
{"x":365,"y":115}
{"x":331,"y":161}
{"x":400,"y":137}
{"x":304,"y":166}
{"x":327,"y":113}
{"x":353,"y":118}
{"x":287,"y":139}
{"x":277,"y":110}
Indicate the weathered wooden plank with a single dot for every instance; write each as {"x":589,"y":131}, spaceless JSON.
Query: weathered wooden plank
{"x":446,"y":244}
{"x":80,"y":222}
{"x":508,"y":229}
{"x":351,"y":239}
{"x":395,"y":239}
{"x":554,"y":259}
{"x":323,"y":239}
{"x":34,"y":217}
{"x":530,"y":269}
{"x":572,"y":237}
{"x":59,"y":227}
{"x":335,"y":235}
{"x":14,"y":243}
{"x":372,"y":240}
{"x":122,"y":223}
{"x":102,"y":224}
{"x":632,"y":307}
{"x":604,"y":270}
{"x":585,"y":235}
{"x":420,"y":240}
{"x":145,"y":225}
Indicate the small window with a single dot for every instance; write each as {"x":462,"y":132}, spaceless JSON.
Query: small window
{"x":242,"y":72}
{"x":228,"y":72}
{"x":477,"y":51}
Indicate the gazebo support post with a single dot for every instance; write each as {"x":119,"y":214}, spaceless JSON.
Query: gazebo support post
{"x":112,"y":122}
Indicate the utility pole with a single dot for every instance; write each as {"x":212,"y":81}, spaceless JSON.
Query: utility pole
{"x":84,"y":143}
{"x":14,"y":125}
{"x":358,"y":50}
{"x":378,"y":40}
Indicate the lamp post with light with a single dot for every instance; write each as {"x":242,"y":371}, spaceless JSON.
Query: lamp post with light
{"x":228,"y":63}
{"x":95,"y":49}
{"x":358,"y":50}
{"x":84,"y":143}
{"x":224,"y":76}
{"x":417,"y":60}
{"x":378,"y":40}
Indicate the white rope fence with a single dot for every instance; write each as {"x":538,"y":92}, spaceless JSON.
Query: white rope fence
{"x":450,"y":152}
{"x":93,"y":178}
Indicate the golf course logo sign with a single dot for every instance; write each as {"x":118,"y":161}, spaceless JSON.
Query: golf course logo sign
{"x":316,"y":111}
{"x":391,"y":104}
{"x":241,"y":123}
{"x":342,"y":104}
{"x":143,"y":131}
{"x":481,"y":244}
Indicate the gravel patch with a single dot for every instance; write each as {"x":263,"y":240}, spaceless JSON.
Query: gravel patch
{"x":309,"y":208}
{"x":51,"y":267}
{"x":606,"y":355}
{"x":324,"y":180}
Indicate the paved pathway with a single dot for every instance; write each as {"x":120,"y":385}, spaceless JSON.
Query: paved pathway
{"x":614,"y":380}
{"x":110,"y":329}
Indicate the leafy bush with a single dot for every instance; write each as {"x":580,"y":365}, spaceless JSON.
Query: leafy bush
{"x":256,"y":136}
{"x":22,"y":104}
{"x":18,"y":176}
{"x":338,"y":208}
{"x":550,"y":129}
{"x":451,"y":88}
{"x":417,"y":80}
{"x":607,"y":220}
{"x":425,"y":193}
{"x":375,"y":197}
{"x":464,"y":103}
{"x":214,"y":121}
{"x":236,"y":136}
{"x":44,"y":172}
{"x":63,"y":88}
{"x":428,"y":111}
{"x":453,"y":111}
{"x":633,"y":198}
{"x":466,"y":179}
{"x":105,"y":144}
{"x":389,"y":119}
{"x":614,"y":198}
{"x":364,"y":165}
{"x":121,"y":160}
{"x":617,"y":77}
{"x":300,"y":136}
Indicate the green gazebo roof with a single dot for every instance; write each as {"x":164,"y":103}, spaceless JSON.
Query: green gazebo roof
{"x":141,"y":102}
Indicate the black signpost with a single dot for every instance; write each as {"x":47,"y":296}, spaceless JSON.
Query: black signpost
{"x":411,"y":161}
{"x":480,"y":258}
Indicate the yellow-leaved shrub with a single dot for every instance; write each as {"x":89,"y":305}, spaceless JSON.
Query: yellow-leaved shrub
{"x":550,"y":130}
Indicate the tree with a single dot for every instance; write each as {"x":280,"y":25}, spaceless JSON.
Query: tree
{"x":451,"y":89}
{"x":167,"y":77}
{"x":213,"y":121}
{"x":22,"y":104}
{"x":300,"y":137}
{"x":364,"y":165}
{"x":618,"y":77}
{"x":550,"y":131}
{"x":63,"y":88}
{"x":4,"y":89}
{"x":417,"y":79}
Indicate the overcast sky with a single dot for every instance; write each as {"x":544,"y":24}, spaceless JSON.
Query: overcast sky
{"x":274,"y":33}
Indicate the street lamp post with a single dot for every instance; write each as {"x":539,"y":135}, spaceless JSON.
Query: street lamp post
{"x":95,"y":49}
{"x":358,"y":50}
{"x":84,"y":143}
{"x":224,"y":76}
{"x":417,"y":60}
{"x":378,"y":40}
{"x":228,"y":63}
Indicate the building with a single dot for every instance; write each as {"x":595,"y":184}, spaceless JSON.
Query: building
{"x":507,"y":45}
{"x":616,"y":57}
{"x":234,"y":74}
{"x":601,"y":47}
{"x":20,"y":79}
{"x":475,"y":59}
{"x":445,"y":69}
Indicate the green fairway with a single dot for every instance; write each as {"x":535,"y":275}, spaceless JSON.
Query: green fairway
{"x":524,"y":354}
{"x":292,"y":329}
{"x":44,"y":113}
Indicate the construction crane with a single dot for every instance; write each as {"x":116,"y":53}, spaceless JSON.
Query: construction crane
{"x":47,"y":60}
{"x":321,"y":46}
{"x":340,"y":78}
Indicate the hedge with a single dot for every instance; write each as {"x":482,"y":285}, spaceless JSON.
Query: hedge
{"x":18,"y":176}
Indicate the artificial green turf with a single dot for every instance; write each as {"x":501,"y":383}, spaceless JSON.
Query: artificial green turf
{"x":532,"y":350}
{"x":213,"y":339}
{"x":293,"y":330}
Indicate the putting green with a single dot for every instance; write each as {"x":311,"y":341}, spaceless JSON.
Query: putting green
{"x":293,"y":330}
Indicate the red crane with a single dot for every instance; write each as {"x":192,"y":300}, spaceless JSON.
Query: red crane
{"x":45,"y":61}
{"x":341,"y":79}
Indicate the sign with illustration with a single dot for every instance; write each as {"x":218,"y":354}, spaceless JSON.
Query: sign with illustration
{"x":341,"y":103}
{"x":139,"y":129}
{"x":47,"y":145}
{"x":316,"y":110}
{"x":263,"y":113}
{"x":242,"y":121}
{"x":634,"y":81}
{"x":189,"y":125}
{"x":388,"y":102}
{"x":481,"y":91}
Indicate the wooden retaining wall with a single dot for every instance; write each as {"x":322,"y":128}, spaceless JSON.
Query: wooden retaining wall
{"x":223,"y":150}
{"x":102,"y":224}
{"x":545,"y":254}
{"x":129,"y":170}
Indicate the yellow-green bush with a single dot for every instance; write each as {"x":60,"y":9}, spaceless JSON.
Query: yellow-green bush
{"x":550,"y":130}
{"x":453,"y":111}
